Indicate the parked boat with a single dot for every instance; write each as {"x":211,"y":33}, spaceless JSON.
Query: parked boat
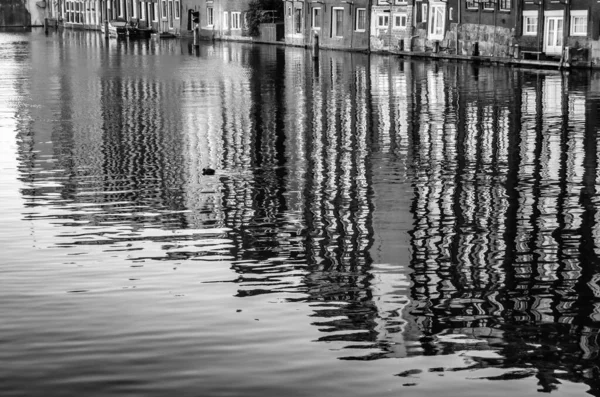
{"x":134,"y":31}
{"x":116,"y":28}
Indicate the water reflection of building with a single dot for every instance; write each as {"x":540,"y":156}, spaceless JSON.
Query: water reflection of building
{"x":504,"y":236}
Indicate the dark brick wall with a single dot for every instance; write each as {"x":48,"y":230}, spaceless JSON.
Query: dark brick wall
{"x":14,"y":13}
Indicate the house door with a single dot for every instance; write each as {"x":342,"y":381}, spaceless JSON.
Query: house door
{"x":553,"y":39}
{"x":437,"y":20}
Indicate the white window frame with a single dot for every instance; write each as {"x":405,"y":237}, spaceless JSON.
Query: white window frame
{"x":579,"y":14}
{"x":176,"y":9}
{"x":489,"y":5}
{"x":383,"y":21}
{"x":155,"y":16}
{"x":225,"y":20}
{"x":401,"y":2}
{"x":210,"y":16}
{"x":142,"y":11}
{"x":500,"y":4}
{"x":402,"y":16}
{"x":164,"y":9}
{"x":334,"y":29}
{"x":236,"y":20}
{"x":358,"y":11}
{"x":424,"y":12}
{"x":121,"y":8}
{"x":134,"y":10}
{"x":313,"y":18}
{"x":527,"y":16}
{"x":298,"y":12}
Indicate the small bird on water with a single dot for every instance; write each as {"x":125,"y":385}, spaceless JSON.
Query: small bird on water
{"x":208,"y":171}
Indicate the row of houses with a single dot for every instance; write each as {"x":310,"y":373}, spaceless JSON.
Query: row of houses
{"x":538,"y":29}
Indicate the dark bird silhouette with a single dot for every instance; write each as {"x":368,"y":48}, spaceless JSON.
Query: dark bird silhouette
{"x":208,"y":171}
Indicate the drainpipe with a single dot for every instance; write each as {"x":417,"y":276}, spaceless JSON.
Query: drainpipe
{"x":368,"y":24}
{"x":541,"y":23}
{"x":458,"y":22}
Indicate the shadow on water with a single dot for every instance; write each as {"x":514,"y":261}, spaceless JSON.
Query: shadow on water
{"x":418,"y":208}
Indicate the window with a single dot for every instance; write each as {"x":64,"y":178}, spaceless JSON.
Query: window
{"x":423,"y":12}
{"x":236,"y":20}
{"x":450,"y":12}
{"x":383,"y":21}
{"x":437,"y":19}
{"x":74,"y":11}
{"x":164,"y":9}
{"x":488,"y":5}
{"x":400,"y":21}
{"x":171,"y":14}
{"x":225,"y":20}
{"x":176,"y":9}
{"x":530,"y":23}
{"x":155,"y":12}
{"x":298,"y":20}
{"x":121,"y":7}
{"x":337,"y":22}
{"x":361,"y":19}
{"x":142,"y":11}
{"x":400,"y":1}
{"x":210,"y":17}
{"x":472,"y":4}
{"x":579,"y":22}
{"x":134,"y":10}
{"x":505,"y":5}
{"x":316,"y":18}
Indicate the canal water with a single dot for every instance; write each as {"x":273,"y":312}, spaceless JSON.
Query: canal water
{"x":376,"y":226}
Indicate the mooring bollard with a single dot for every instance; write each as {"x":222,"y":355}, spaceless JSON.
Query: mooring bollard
{"x":315,"y":46}
{"x":106,"y":36}
{"x":46,"y":25}
{"x":196,"y":36}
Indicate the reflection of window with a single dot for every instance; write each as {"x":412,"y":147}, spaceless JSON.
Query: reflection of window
{"x":337,"y":22}
{"x":383,"y":21}
{"x":530,"y":23}
{"x":210,"y":17}
{"x":399,"y":21}
{"x":225,"y":20}
{"x":236,"y":20}
{"x":316,"y":18}
{"x":504,"y":4}
{"x":361,"y":19}
{"x":578,"y":22}
{"x":298,"y":20}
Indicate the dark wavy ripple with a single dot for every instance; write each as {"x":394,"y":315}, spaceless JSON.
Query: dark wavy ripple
{"x":375,"y":227}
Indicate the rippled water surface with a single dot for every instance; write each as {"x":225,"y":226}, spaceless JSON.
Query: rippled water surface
{"x":375,"y":227}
